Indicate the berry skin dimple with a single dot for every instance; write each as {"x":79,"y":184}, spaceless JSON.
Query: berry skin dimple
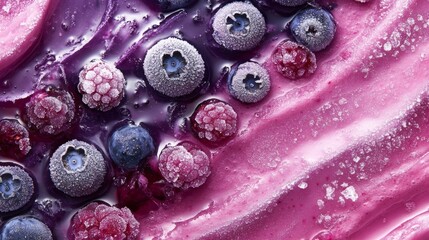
{"x":293,"y":60}
{"x":129,"y":146}
{"x":98,"y":221}
{"x":25,"y":227}
{"x":102,"y":85}
{"x":185,"y":165}
{"x":314,"y":28}
{"x":214,"y":121}
{"x":14,"y":138}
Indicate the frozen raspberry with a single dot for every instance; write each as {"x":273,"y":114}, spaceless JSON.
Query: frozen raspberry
{"x":101,"y":84}
{"x":293,"y":60}
{"x":185,"y":165}
{"x":214,"y":121}
{"x":50,"y":111}
{"x":14,"y":138}
{"x":98,"y":221}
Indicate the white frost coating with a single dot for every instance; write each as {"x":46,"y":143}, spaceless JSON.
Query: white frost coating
{"x":330,"y":193}
{"x":350,"y":193}
{"x":303,"y":185}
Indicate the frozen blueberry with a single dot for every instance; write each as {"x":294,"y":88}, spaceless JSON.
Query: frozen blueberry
{"x":16,"y":188}
{"x":25,"y":227}
{"x":50,"y":111}
{"x":171,"y":5}
{"x":238,"y":26}
{"x":314,"y":28}
{"x":14,"y":138}
{"x":291,"y":3}
{"x":130,"y":145}
{"x":77,"y":168}
{"x":174,"y":67}
{"x":249,"y":82}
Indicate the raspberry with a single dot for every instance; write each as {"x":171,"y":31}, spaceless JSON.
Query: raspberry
{"x":293,"y":60}
{"x":102,"y":85}
{"x":50,"y":111}
{"x":98,"y":221}
{"x":185,"y":165}
{"x":214,"y":121}
{"x":14,"y":138}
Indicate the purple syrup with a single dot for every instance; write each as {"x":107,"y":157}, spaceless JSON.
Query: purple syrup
{"x":120,"y":32}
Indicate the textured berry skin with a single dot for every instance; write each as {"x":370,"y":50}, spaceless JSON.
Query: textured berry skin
{"x":102,"y":85}
{"x":185,"y":165}
{"x":214,"y":121}
{"x":314,"y":28}
{"x":174,"y":67}
{"x":294,"y":60}
{"x":50,"y":111}
{"x":249,"y":82}
{"x":238,"y":26}
{"x":14,"y":138}
{"x":16,"y":188}
{"x":172,"y":5}
{"x":77,"y":168}
{"x":25,"y":227}
{"x":129,"y":146}
{"x":98,"y":221}
{"x":291,"y":3}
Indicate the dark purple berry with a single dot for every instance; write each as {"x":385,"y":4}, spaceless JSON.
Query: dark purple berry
{"x":50,"y":111}
{"x":14,"y":138}
{"x":16,"y":188}
{"x":294,"y":60}
{"x":291,"y":3}
{"x":77,"y":168}
{"x":214,"y":121}
{"x":25,"y":227}
{"x":102,"y":85}
{"x":185,"y":165}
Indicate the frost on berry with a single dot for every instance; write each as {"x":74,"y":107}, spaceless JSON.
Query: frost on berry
{"x":98,"y":221}
{"x":214,"y":121}
{"x":185,"y":165}
{"x":101,"y":85}
{"x":293,"y":60}
{"x":50,"y":111}
{"x":14,"y":138}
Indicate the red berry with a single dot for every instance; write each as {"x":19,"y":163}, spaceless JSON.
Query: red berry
{"x":102,"y":85}
{"x":98,"y":221}
{"x":293,"y":60}
{"x":214,"y":121}
{"x":185,"y":165}
{"x":50,"y":111}
{"x":14,"y":138}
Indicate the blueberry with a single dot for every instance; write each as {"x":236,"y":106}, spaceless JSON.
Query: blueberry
{"x":291,"y":3}
{"x":16,"y":188}
{"x":314,"y":28}
{"x":77,"y":168}
{"x":129,"y":146}
{"x":174,"y":67}
{"x":238,"y":26}
{"x":25,"y":227}
{"x":171,"y":5}
{"x":249,"y":82}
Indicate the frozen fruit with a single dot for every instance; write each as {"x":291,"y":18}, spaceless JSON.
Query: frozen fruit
{"x":238,"y":26}
{"x":129,"y":146}
{"x":101,"y":85}
{"x":133,"y":190}
{"x":294,"y":60}
{"x":77,"y":168}
{"x":14,"y":138}
{"x":171,"y":5}
{"x":25,"y":227}
{"x":291,"y":3}
{"x":50,"y":110}
{"x":98,"y":221}
{"x":16,"y":188}
{"x":249,"y":82}
{"x":314,"y":28}
{"x":185,"y":165}
{"x":174,"y":67}
{"x":214,"y":121}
